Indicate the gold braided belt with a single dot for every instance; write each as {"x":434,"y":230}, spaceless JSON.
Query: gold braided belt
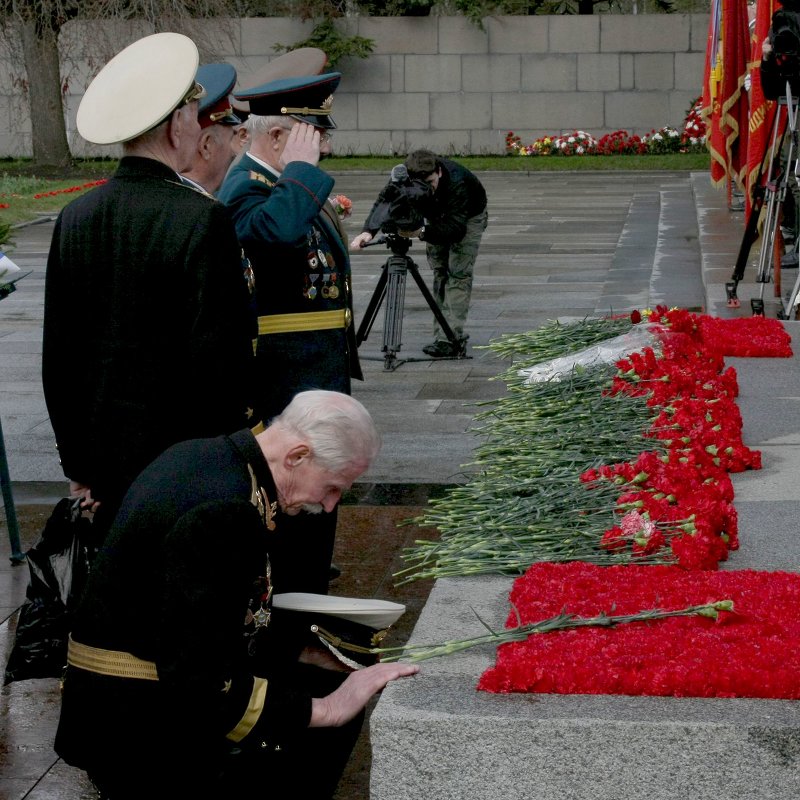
{"x":115,"y":663}
{"x":305,"y":321}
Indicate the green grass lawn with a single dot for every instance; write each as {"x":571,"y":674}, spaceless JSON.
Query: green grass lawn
{"x":24,"y":195}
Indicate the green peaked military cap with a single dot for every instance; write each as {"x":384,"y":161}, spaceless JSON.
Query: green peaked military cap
{"x":215,"y":108}
{"x":297,"y":63}
{"x":308,"y":98}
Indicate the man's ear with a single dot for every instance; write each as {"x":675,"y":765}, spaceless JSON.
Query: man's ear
{"x":176,"y":127}
{"x":173,"y":127}
{"x":275,"y":135}
{"x":296,"y":455}
{"x":206,"y":144}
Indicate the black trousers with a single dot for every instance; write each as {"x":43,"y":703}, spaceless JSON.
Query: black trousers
{"x":311,"y":764}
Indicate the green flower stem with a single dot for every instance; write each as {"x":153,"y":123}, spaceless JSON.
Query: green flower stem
{"x":420,"y":652}
{"x":555,"y":339}
{"x":523,"y":501}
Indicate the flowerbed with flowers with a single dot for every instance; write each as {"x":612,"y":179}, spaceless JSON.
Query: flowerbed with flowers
{"x":55,"y":192}
{"x":691,"y":139}
{"x":611,"y":454}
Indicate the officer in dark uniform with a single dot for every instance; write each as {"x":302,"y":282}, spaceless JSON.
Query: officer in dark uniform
{"x":279,"y":199}
{"x":179,"y":684}
{"x":147,"y":327}
{"x":218,"y":123}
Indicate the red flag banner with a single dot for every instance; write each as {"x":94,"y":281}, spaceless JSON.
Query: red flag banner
{"x":711,"y":81}
{"x":725,"y":102}
{"x":762,"y":111}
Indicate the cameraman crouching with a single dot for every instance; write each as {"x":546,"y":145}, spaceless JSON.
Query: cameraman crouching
{"x":455,"y":218}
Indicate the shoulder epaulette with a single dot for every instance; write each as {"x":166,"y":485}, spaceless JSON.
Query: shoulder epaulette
{"x":257,"y":176}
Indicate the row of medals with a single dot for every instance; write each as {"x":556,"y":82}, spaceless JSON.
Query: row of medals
{"x":317,"y":258}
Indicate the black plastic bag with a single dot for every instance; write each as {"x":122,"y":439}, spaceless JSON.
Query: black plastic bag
{"x":59,"y":565}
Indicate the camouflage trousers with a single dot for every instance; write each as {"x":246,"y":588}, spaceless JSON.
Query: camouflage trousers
{"x":453,"y":266}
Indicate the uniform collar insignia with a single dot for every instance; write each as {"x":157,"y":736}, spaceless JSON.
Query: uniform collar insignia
{"x":258,"y":497}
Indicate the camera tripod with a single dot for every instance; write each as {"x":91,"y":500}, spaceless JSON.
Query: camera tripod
{"x":392,"y":287}
{"x":773,"y":195}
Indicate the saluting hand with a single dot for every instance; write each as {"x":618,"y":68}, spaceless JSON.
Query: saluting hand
{"x":302,"y":144}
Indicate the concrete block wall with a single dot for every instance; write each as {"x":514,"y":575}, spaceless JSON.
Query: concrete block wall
{"x":442,"y":82}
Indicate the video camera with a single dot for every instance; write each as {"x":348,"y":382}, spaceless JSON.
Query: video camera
{"x":784,"y":37}
{"x":397,"y":207}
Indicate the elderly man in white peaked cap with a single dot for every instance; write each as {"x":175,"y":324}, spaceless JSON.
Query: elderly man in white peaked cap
{"x":147,"y":329}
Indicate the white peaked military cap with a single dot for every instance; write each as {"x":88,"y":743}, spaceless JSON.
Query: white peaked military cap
{"x":371,"y":613}
{"x":351,"y":628}
{"x":139,"y":88}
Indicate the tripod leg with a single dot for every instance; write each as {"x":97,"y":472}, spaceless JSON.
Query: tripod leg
{"x":372,"y":308}
{"x":434,"y":306}
{"x":760,"y":193}
{"x":767,"y":252}
{"x":395,"y":300}
{"x":770,"y":249}
{"x":789,"y":173}
{"x":768,"y":237}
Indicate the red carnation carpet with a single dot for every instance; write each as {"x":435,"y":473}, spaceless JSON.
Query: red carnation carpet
{"x":752,"y":651}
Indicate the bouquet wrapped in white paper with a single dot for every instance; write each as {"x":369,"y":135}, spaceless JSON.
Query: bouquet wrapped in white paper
{"x":8,"y":269}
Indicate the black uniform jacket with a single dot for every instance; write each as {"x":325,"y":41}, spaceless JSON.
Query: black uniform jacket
{"x":147,"y":330}
{"x":289,"y":231}
{"x":458,"y":197}
{"x":181,"y":571}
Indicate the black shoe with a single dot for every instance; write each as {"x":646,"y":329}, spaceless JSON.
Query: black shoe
{"x":334,"y":572}
{"x":441,"y":350}
{"x":789,"y":260}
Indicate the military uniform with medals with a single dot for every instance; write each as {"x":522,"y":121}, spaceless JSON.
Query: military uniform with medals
{"x":291,"y":234}
{"x":306,"y":339}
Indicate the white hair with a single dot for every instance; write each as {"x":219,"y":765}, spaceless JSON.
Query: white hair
{"x":339,"y":430}
{"x":257,"y":125}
